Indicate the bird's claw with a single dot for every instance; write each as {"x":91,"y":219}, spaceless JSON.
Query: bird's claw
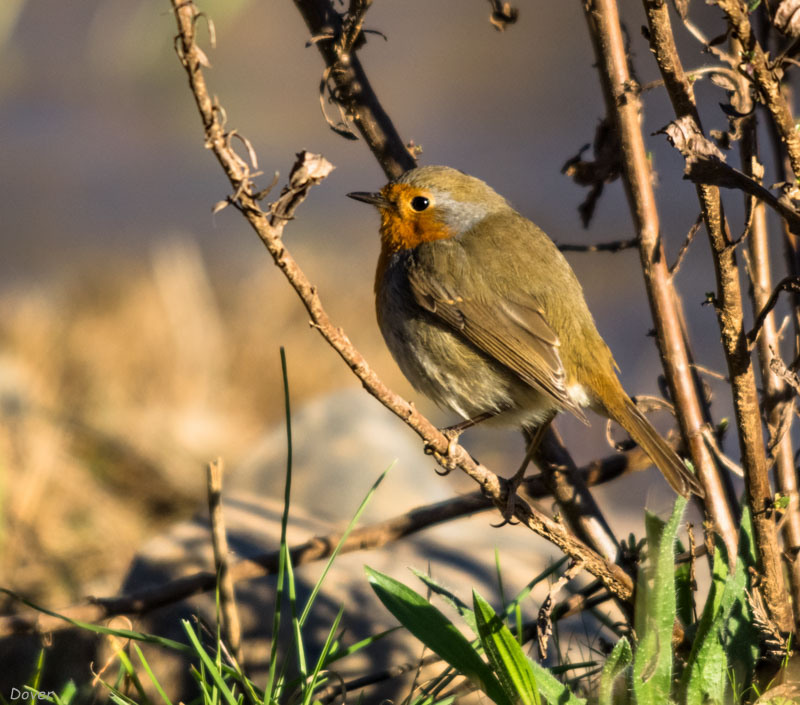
{"x":512,"y":485}
{"x":446,"y":460}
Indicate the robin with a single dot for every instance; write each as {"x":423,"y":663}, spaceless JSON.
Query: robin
{"x":484,"y":315}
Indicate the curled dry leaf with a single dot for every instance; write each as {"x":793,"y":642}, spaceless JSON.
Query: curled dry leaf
{"x":787,"y":17}
{"x":686,"y":137}
{"x":309,"y":169}
{"x":605,"y":168}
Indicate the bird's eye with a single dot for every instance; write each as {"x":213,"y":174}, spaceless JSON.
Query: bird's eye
{"x":419,"y":203}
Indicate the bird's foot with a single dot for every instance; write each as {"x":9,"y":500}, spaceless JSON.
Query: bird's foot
{"x":512,"y":485}
{"x":446,"y":460}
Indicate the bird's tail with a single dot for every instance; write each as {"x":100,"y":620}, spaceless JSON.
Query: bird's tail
{"x":680,"y":478}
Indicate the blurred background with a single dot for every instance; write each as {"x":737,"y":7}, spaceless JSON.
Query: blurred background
{"x":139,"y":333}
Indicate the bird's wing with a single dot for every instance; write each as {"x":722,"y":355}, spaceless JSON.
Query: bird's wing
{"x":513,"y":332}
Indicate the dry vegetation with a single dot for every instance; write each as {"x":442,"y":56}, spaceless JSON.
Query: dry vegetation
{"x":117,"y":385}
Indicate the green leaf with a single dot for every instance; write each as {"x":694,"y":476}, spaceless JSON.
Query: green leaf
{"x":725,"y":634}
{"x":505,"y":655}
{"x":461,"y":607}
{"x":616,"y":664}
{"x":655,"y":612}
{"x":437,"y":632}
{"x":552,"y":689}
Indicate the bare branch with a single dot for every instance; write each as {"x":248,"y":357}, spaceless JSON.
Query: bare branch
{"x":219,"y":540}
{"x":756,"y":66}
{"x":352,"y":89}
{"x":613,"y":246}
{"x":623,"y":105}
{"x":705,"y":164}
{"x":673,"y":270}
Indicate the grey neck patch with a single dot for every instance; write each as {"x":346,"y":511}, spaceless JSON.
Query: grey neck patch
{"x":459,"y":216}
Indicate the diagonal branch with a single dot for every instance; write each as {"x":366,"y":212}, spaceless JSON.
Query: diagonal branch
{"x":310,"y":169}
{"x":785,"y":284}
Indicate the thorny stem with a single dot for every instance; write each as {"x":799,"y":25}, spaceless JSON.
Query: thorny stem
{"x":269,"y":227}
{"x":624,"y":105}
{"x":731,"y":322}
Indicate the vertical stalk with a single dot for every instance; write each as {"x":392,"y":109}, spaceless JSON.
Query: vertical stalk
{"x":768,"y":345}
{"x":728,"y":305}
{"x":624,"y":106}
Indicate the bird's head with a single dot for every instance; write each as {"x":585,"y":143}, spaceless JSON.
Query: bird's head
{"x":430,"y":203}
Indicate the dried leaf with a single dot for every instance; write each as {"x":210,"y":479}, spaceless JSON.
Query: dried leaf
{"x":723,"y":80}
{"x":219,"y":206}
{"x":309,"y":169}
{"x":202,"y":59}
{"x":682,"y":8}
{"x":503,"y":14}
{"x":701,"y":154}
{"x":787,"y":17}
{"x":605,"y":168}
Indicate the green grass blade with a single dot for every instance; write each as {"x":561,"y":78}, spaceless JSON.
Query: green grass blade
{"x":350,"y":527}
{"x":208,"y":664}
{"x":615,"y":666}
{"x":510,"y":664}
{"x":312,"y":684}
{"x":343,"y":652}
{"x":67,"y":693}
{"x":150,"y":674}
{"x":272,"y":681}
{"x":296,"y":626}
{"x":97,"y":629}
{"x":725,"y":636}
{"x":437,"y":632}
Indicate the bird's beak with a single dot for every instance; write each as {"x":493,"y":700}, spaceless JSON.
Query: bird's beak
{"x":374,"y":199}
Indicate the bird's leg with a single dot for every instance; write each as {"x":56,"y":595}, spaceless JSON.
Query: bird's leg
{"x":452,"y":433}
{"x":516,"y":480}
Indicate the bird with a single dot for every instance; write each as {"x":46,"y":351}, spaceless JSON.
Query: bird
{"x":484,"y":315}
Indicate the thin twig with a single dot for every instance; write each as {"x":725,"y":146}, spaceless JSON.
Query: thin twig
{"x":503,"y":14}
{"x":756,"y":66}
{"x":219,"y":539}
{"x":612,"y":246}
{"x":673,"y":270}
{"x":544,"y":625}
{"x":577,"y":505}
{"x":786,"y":284}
